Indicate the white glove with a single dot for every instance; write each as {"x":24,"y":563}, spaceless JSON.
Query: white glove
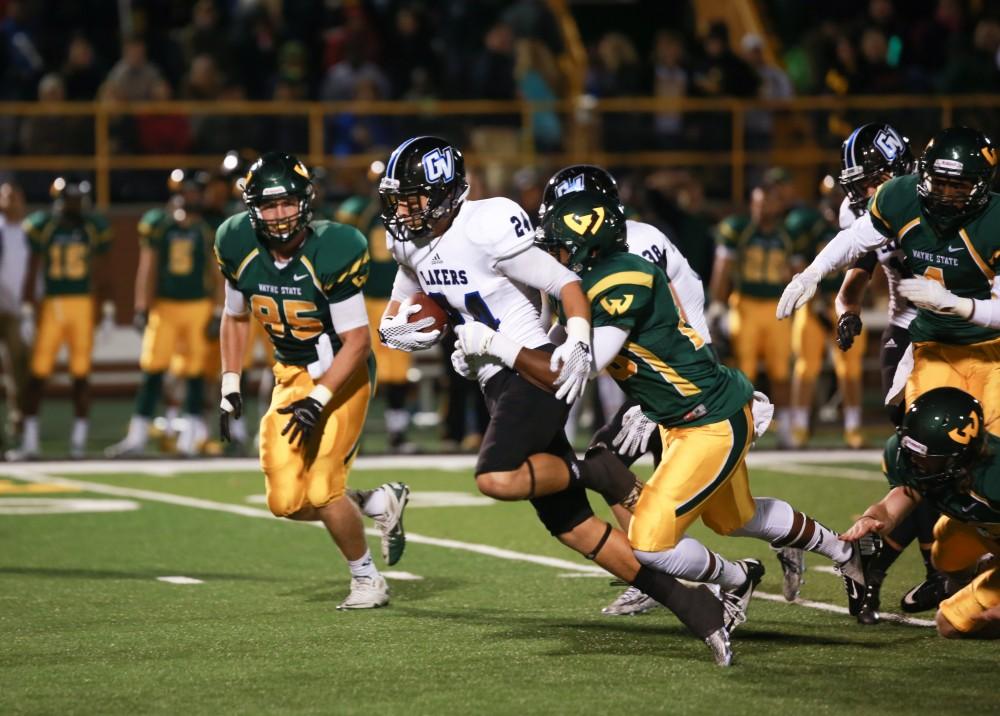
{"x":573,"y":360}
{"x":460,"y":362}
{"x":107,"y":326}
{"x":633,"y":438}
{"x":324,"y":357}
{"x":931,"y":295}
{"x":797,"y":293}
{"x":395,"y":332}
{"x":762,"y":411}
{"x":477,"y":340}
{"x":27,"y":324}
{"x":716,"y":317}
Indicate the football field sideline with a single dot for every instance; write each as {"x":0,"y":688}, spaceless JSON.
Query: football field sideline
{"x":43,"y":473}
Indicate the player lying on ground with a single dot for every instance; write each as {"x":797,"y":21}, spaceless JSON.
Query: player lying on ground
{"x":628,"y":435}
{"x":870,"y":156}
{"x":703,"y":409}
{"x":302,"y":280}
{"x":478,"y":261}
{"x":944,"y":455}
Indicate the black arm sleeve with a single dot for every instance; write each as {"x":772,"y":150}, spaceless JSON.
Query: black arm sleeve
{"x":867,"y":262}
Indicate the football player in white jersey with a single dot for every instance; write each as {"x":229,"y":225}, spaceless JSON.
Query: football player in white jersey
{"x":477,"y":259}
{"x":870,"y":156}
{"x":629,"y":435}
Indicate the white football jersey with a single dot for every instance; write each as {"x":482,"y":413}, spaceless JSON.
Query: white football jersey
{"x":651,"y":244}
{"x":901,"y":311}
{"x":459,"y":268}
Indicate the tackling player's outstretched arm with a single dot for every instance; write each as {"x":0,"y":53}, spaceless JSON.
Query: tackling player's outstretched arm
{"x":848,"y":301}
{"x":234,"y":332}
{"x":884,"y":515}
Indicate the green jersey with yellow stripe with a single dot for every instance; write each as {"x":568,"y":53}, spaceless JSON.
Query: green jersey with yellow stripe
{"x":810,"y":232}
{"x":761,"y":259}
{"x":964,"y":261}
{"x":182,"y":251}
{"x":664,"y":364}
{"x":67,"y":248}
{"x":292,"y":301}
{"x":365,"y":212}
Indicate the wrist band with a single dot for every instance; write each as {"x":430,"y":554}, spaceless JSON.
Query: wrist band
{"x":230,"y":383}
{"x":321,"y":394}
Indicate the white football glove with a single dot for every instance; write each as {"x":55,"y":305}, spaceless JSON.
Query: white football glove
{"x":762,"y":411}
{"x":799,"y":290}
{"x":460,"y":362}
{"x":932,"y":296}
{"x":106,"y":328}
{"x":572,"y":360}
{"x":637,"y":429}
{"x":27,"y":324}
{"x":395,"y":332}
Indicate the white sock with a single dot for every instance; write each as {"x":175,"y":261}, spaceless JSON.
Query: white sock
{"x":376,"y":503}
{"x":171,"y":413}
{"x":777,"y":522}
{"x":78,"y":438}
{"x":784,"y":418}
{"x":852,"y":418}
{"x":800,"y":418}
{"x":397,"y":421}
{"x":29,"y":435}
{"x":692,"y":560}
{"x":138,"y":430}
{"x":364,"y":566}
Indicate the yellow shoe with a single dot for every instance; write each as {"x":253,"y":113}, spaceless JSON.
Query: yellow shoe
{"x":854,"y":439}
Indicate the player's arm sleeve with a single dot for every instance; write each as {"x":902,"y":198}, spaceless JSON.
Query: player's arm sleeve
{"x":607,"y":343}
{"x":404,"y":285}
{"x":848,"y":246}
{"x":236,"y":302}
{"x":537,"y":269}
{"x":349,"y":277}
{"x":867,"y":262}
{"x":349,"y":313}
{"x":502,"y":229}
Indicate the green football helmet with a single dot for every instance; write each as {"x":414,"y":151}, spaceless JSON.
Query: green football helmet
{"x":587,"y":224}
{"x":956,"y":174}
{"x":275,"y":176}
{"x":941,"y":437}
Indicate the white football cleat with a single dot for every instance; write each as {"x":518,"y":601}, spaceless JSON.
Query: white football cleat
{"x":722,"y":650}
{"x":390,"y":522}
{"x":366,"y":593}
{"x":793,"y":567}
{"x":630,"y":603}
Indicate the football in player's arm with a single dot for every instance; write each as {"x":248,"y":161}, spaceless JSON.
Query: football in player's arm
{"x":944,"y":455}
{"x":302,"y":280}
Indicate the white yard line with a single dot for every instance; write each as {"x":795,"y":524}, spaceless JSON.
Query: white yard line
{"x":30,"y":473}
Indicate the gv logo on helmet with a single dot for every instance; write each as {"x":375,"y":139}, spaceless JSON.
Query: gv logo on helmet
{"x":580,"y":224}
{"x":439,"y":164}
{"x":568,"y":186}
{"x":889,"y":144}
{"x":968,"y":431}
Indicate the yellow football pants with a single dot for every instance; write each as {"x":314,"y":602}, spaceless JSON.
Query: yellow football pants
{"x":703,"y":473}
{"x":957,"y":547}
{"x":757,"y":335}
{"x":176,"y":328}
{"x":392,"y":365}
{"x":315,"y":473}
{"x":974,"y":368}
{"x":810,"y":339}
{"x":69,"y":320}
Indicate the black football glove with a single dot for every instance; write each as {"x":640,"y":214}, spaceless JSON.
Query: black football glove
{"x":231,"y":406}
{"x":848,"y":327}
{"x":305,"y":417}
{"x":139,"y":320}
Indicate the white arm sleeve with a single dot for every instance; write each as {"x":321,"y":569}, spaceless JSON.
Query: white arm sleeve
{"x":404,"y":285}
{"x":236,"y":303}
{"x":533,"y":267}
{"x":848,"y":246}
{"x":608,"y":342}
{"x":986,"y":312}
{"x":349,"y":313}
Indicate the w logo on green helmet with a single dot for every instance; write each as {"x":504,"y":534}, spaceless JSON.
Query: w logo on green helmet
{"x":585,"y":224}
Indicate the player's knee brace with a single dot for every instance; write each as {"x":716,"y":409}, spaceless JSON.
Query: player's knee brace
{"x":560,"y":512}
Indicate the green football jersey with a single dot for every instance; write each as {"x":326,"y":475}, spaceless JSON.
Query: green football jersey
{"x":293,"y":302}
{"x":981,"y":504}
{"x":964,"y":261}
{"x":761,"y":260}
{"x":182,"y":263}
{"x":67,"y":249}
{"x":664,"y":364}
{"x":365,"y":213}
{"x":810,"y":232}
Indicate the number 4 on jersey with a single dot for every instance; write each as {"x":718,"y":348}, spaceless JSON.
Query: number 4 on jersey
{"x":474,"y":304}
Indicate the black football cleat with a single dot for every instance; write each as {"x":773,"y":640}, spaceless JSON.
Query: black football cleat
{"x":853,"y":570}
{"x":926,"y":595}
